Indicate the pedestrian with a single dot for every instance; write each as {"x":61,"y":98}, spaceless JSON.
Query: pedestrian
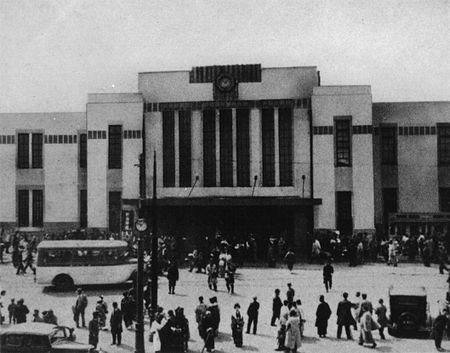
{"x":301,"y":315}
{"x":21,"y":311}
{"x":125,"y":308}
{"x":49,"y":317}
{"x":367,"y":324}
{"x":156,"y":326}
{"x":289,"y":259}
{"x":365,"y":305}
{"x":36,"y":316}
{"x":323,"y":313}
{"x":29,"y":261}
{"x":80,"y":307}
{"x":229,"y":280}
{"x":345,"y":317}
{"x":290,"y":294}
{"x":182,"y":323}
{"x":19,"y":261}
{"x":102,"y":311}
{"x":281,"y":334}
{"x":276,"y":307}
{"x":392,"y":252}
{"x":439,"y":325}
{"x":328,"y":271}
{"x":237,"y":325}
{"x":382,"y":319}
{"x":215,"y":314}
{"x":252,"y":312}
{"x":316,"y":250}
{"x":12,"y":311}
{"x":211,"y":271}
{"x":115,"y":323}
{"x":172,"y":276}
{"x":293,"y":337}
{"x":93,"y":330}
{"x":2,"y":305}
{"x":200,"y":311}
{"x":207,"y":331}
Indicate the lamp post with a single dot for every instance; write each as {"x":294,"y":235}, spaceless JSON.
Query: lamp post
{"x":154,"y":264}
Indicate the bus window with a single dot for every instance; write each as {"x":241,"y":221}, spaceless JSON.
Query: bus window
{"x":51,"y":257}
{"x":80,"y":257}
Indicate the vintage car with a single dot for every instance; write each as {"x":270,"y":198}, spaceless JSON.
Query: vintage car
{"x":40,"y":338}
{"x":410,"y":312}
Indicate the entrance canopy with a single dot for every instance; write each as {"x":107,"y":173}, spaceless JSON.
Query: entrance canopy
{"x":238,"y":201}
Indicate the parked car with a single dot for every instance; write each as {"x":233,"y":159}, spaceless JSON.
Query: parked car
{"x":410,"y":312}
{"x":36,"y":337}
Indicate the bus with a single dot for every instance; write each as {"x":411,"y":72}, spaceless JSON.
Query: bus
{"x":65,"y":263}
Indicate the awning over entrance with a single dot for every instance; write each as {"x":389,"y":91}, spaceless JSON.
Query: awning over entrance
{"x":239,"y":201}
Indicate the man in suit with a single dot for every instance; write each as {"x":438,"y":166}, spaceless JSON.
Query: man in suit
{"x":252,"y":312}
{"x":116,"y":324}
{"x":80,"y":307}
{"x":345,"y":317}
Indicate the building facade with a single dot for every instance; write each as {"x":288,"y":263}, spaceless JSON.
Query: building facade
{"x":240,"y":150}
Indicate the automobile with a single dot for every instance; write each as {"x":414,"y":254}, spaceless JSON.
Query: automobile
{"x":36,"y":337}
{"x":409,"y":312}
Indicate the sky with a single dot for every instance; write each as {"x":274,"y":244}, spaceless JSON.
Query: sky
{"x":53,"y":53}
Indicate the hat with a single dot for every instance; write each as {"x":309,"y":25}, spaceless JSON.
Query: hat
{"x":79,"y":290}
{"x":254,"y":298}
{"x":237,"y":306}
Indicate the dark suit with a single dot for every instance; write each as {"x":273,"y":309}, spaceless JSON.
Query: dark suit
{"x":252,"y":313}
{"x":116,"y":326}
{"x":344,"y":318}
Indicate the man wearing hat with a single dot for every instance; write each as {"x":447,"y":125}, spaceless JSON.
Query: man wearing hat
{"x":79,"y":307}
{"x":215,"y":314}
{"x":93,"y":330}
{"x":252,"y":312}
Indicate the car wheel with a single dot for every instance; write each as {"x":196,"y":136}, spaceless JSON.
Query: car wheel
{"x":63,"y":282}
{"x":407,"y":323}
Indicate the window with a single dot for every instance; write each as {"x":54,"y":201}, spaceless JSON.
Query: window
{"x":344,"y":220}
{"x":268,"y":147}
{"x":184,"y":118}
{"x":115,"y":147}
{"x":36,"y":151}
{"x":168,"y":125}
{"x":209,"y":148}
{"x":243,"y":147}
{"x":23,"y":151}
{"x":115,"y":210}
{"x":23,"y":208}
{"x":285,"y":145}
{"x":226,"y":147}
{"x":342,"y":142}
{"x":390,"y":201}
{"x":83,"y":151}
{"x":83,"y":208}
{"x":38,"y":208}
{"x":443,"y":131}
{"x":388,"y":145}
{"x":444,"y":199}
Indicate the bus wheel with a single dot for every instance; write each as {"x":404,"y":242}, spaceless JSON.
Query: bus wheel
{"x":63,"y":282}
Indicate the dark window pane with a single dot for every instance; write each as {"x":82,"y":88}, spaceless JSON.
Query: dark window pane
{"x":342,"y":142}
{"x":83,"y":208}
{"x":389,"y":145}
{"x":184,"y":119}
{"x":444,"y":199}
{"x":60,"y":138}
{"x":285,"y":145}
{"x":115,"y":210}
{"x":243,"y":146}
{"x":268,"y":147}
{"x":23,"y":151}
{"x":209,"y":148}
{"x":344,"y":218}
{"x":66,"y":139}
{"x":168,"y":123}
{"x":83,"y":151}
{"x":443,"y":132}
{"x":38,"y":208}
{"x":36,"y":151}
{"x":70,"y":139}
{"x":226,"y":147}
{"x":114,"y":146}
{"x":23,"y":208}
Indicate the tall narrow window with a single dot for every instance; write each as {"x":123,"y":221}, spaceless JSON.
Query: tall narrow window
{"x":23,"y":208}
{"x":83,"y":151}
{"x":344,"y":219}
{"x":388,"y":145}
{"x":285,"y":145}
{"x":184,"y":118}
{"x":443,"y":132}
{"x":209,"y":148}
{"x":390,"y":201}
{"x":36,"y":151}
{"x":83,"y":208}
{"x":226,"y":147}
{"x":38,"y":208}
{"x":268,"y":147}
{"x":243,"y":147}
{"x":444,"y":199}
{"x":115,"y":147}
{"x":342,"y":142}
{"x":23,"y":151}
{"x":115,"y":210}
{"x":168,"y":125}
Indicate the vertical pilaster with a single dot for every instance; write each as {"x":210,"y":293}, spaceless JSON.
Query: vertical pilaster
{"x":277,"y":147}
{"x":217,"y":147}
{"x":197,"y":146}
{"x":176,"y":136}
{"x":234,"y":139}
{"x":255,"y":145}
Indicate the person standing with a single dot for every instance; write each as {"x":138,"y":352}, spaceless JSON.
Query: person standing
{"x":19,"y":259}
{"x":172,"y":276}
{"x":276,"y":307}
{"x":344,"y":317}
{"x":37,"y":317}
{"x":316,"y":250}
{"x":229,"y":280}
{"x":439,"y":325}
{"x":252,"y":312}
{"x":290,"y":294}
{"x":382,"y":319}
{"x":93,"y":330}
{"x":12,"y":311}
{"x":237,"y":325}
{"x":289,"y":259}
{"x":281,"y":335}
{"x":323,"y":313}
{"x":21,"y":311}
{"x":215,"y":314}
{"x":200,"y":311}
{"x":125,"y":308}
{"x":293,"y":337}
{"x":328,"y":271}
{"x":116,"y":325}
{"x":80,"y":307}
{"x":211,"y":271}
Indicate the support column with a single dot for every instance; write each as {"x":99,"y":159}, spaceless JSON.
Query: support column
{"x":197,"y":146}
{"x":255,"y":146}
{"x":234,"y":139}
{"x":277,"y":147}
{"x":217,"y":147}
{"x":177,"y":148}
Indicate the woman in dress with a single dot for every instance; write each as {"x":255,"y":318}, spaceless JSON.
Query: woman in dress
{"x":237,"y":325}
{"x":293,"y":337}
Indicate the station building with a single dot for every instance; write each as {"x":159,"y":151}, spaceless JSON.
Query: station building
{"x":240,"y":149}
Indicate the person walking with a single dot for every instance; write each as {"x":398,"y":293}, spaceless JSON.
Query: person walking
{"x":215,"y":314}
{"x":21,"y":311}
{"x":382,"y":319}
{"x":276,"y":307}
{"x":80,"y":307}
{"x":211,"y":271}
{"x":237,"y":325}
{"x":281,"y":334}
{"x":94,"y":330}
{"x":293,"y":336}
{"x":19,"y":260}
{"x":200,"y":311}
{"x":328,"y":271}
{"x":115,"y":322}
{"x":290,"y":294}
{"x":289,"y":259}
{"x":439,"y":325}
{"x":323,"y":313}
{"x":366,"y":326}
{"x":229,"y":280}
{"x":172,"y":276}
{"x":207,"y":331}
{"x":252,"y":312}
{"x":344,"y":317}
{"x":365,"y":305}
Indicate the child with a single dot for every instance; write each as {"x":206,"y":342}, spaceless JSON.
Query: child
{"x":12,"y":311}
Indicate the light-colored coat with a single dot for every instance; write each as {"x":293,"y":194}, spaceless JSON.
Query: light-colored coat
{"x":293,"y":337}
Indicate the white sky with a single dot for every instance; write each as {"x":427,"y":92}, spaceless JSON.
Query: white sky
{"x":54,"y":52}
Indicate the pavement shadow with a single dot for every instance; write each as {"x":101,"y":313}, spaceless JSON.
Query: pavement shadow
{"x":383,"y":349}
{"x":223,"y":337}
{"x":91,"y":289}
{"x":249,"y":349}
{"x":310,"y":339}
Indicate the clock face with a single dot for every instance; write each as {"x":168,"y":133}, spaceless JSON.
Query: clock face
{"x":141,"y":225}
{"x":225,"y":83}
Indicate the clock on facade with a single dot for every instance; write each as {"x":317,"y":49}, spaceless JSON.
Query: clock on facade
{"x":225,"y":83}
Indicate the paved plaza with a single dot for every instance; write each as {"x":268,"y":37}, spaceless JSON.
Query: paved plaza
{"x":373,"y":279}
